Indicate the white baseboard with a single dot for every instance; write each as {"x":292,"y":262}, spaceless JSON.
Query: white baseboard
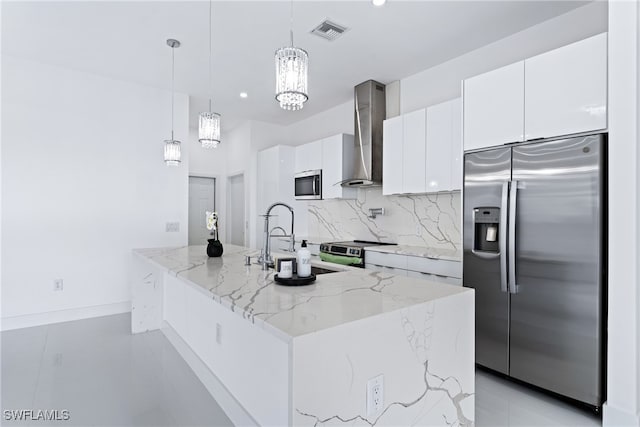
{"x":616,"y":417}
{"x":234,"y":410}
{"x":39,"y":319}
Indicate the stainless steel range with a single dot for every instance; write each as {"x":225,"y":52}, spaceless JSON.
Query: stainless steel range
{"x":348,"y":252}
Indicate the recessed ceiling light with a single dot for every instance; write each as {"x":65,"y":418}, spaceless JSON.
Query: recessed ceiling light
{"x":243,"y":94}
{"x":378,"y":2}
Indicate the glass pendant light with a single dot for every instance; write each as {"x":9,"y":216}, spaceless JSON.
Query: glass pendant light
{"x":171,"y":146}
{"x":292,"y":64}
{"x":209,"y":122}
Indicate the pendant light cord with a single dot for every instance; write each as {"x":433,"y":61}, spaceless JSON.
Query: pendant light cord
{"x":210,"y":84}
{"x":291,"y":23}
{"x":173,"y":54}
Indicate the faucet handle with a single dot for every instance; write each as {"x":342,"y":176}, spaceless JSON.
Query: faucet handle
{"x":292,"y":243}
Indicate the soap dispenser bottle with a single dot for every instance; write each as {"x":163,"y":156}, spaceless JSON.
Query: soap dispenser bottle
{"x":304,"y":260}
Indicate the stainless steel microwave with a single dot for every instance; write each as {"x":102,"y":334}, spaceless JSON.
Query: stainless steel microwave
{"x":308,"y":185}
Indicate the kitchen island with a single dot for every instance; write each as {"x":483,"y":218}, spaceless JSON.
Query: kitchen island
{"x":304,"y":355}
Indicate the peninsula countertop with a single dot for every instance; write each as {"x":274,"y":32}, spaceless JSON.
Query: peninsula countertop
{"x":333,"y":299}
{"x":419,"y":251}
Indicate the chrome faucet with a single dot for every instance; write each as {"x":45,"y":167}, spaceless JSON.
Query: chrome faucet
{"x":265,"y":256}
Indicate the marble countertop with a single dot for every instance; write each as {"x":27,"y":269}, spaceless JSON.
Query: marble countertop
{"x":315,"y":240}
{"x":332,"y":300}
{"x":420,"y":251}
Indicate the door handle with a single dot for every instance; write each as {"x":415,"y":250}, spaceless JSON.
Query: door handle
{"x":502,"y":239}
{"x":513,"y":209}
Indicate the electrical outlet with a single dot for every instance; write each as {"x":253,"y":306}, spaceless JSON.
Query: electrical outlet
{"x":172,"y":227}
{"x":218,"y":333}
{"x":375,"y":395}
{"x":58,"y":285}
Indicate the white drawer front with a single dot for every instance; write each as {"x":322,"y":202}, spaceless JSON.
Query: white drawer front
{"x":435,"y":278}
{"x":385,"y":259}
{"x":388,"y":270}
{"x":435,"y":266}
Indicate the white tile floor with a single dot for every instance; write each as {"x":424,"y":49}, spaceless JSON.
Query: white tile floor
{"x":105,"y":376}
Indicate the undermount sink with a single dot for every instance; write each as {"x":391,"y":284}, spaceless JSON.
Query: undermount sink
{"x":319,"y":270}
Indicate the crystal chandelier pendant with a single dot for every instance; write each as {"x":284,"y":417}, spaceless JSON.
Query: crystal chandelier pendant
{"x":172,"y":155}
{"x":209,"y":122}
{"x":292,"y":64}
{"x":172,"y":152}
{"x":209,"y":130}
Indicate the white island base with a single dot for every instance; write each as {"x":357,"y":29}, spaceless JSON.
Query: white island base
{"x":302,"y":356}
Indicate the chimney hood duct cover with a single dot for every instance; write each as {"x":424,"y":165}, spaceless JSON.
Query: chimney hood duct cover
{"x":370,"y":112}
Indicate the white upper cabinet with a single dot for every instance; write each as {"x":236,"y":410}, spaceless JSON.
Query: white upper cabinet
{"x":566,"y":89}
{"x":494,"y":107}
{"x":439,"y":136}
{"x":414,"y":145}
{"x":422,"y":150}
{"x":309,"y":156}
{"x":392,"y":156}
{"x":456,"y":144}
{"x":444,"y":146}
{"x":557,"y":93}
{"x":337,"y":165}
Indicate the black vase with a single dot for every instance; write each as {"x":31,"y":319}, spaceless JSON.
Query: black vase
{"x":214,"y":248}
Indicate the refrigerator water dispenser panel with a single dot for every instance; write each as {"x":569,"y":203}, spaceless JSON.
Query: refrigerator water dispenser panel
{"x":486,"y":224}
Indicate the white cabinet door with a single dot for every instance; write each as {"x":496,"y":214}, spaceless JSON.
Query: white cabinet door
{"x":332,"y":167}
{"x":309,"y":156}
{"x":438,"y":165}
{"x":494,"y":107}
{"x":385,"y":259}
{"x":392,"y":156}
{"x":337,"y":156}
{"x":566,"y":89}
{"x":414,"y":145}
{"x":456,"y":144}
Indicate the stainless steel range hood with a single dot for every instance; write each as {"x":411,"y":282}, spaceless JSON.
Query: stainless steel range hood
{"x":370,"y":112}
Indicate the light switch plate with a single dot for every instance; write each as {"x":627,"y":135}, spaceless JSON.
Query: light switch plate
{"x":172,"y":227}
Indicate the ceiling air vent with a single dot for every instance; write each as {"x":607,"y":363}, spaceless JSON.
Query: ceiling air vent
{"x":329,"y":30}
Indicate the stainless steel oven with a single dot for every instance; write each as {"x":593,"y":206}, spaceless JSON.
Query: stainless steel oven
{"x":308,"y":185}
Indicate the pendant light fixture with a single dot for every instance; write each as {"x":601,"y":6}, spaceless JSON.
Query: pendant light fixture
{"x":172,"y":146}
{"x":209,"y":122}
{"x":292,"y":64}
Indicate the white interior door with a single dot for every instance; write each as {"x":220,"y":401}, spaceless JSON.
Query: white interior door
{"x":202,"y":192}
{"x":235,"y":215}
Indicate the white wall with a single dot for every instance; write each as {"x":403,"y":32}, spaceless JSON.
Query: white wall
{"x":442,"y":82}
{"x":83,"y":182}
{"x":208,"y":162}
{"x":333,"y":121}
{"x":623,"y":382}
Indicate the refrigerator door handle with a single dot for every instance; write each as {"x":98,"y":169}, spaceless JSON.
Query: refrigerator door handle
{"x":513,"y":200}
{"x":503,"y":237}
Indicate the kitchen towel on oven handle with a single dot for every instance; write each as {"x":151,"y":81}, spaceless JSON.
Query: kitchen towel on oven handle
{"x":340,"y":259}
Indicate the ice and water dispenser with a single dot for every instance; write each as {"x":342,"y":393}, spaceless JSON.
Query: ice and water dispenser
{"x":486,"y":226}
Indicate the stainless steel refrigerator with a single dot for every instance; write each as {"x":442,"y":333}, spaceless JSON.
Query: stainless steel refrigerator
{"x":534,"y":229}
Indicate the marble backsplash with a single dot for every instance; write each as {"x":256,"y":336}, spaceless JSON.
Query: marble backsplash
{"x":431,"y":220}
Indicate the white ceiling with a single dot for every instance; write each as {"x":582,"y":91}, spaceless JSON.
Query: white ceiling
{"x":126,"y":40}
